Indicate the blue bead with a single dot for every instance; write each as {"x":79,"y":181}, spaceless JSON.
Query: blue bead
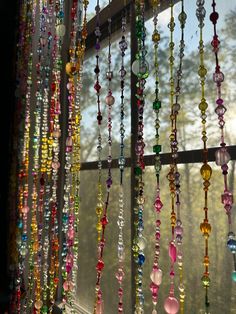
{"x":231,"y":243}
{"x":234,"y":275}
{"x":24,"y":237}
{"x":141,"y":259}
{"x":20,"y":224}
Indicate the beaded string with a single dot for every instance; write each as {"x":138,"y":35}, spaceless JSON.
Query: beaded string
{"x":70,"y":168}
{"x":156,"y":273}
{"x":34,"y":279}
{"x":53,"y":163}
{"x":99,"y":205}
{"x":97,"y":87}
{"x":171,"y":304}
{"x":110,"y":100}
{"x":206,"y":170}
{"x":140,"y":69}
{"x":176,"y":107}
{"x":23,"y":193}
{"x":222,"y":155}
{"x":121,"y":221}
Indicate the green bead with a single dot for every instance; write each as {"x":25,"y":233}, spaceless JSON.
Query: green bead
{"x":234,"y":275}
{"x":156,"y":104}
{"x":157,"y":149}
{"x":205,"y":281}
{"x":137,"y":171}
{"x":44,"y":309}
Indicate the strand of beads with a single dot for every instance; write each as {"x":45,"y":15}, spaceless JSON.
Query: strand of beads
{"x":206,"y":170}
{"x":53,"y":163}
{"x":176,"y":107}
{"x":23,"y":193}
{"x":171,"y":304}
{"x":80,"y":52}
{"x":97,"y":87}
{"x":156,"y":274}
{"x":44,"y":191}
{"x":104,"y":220}
{"x":222,"y":155}
{"x":45,"y":180}
{"x":34,"y":279}
{"x":140,"y":69}
{"x":99,"y":207}
{"x":69,"y":187}
{"x":121,"y":221}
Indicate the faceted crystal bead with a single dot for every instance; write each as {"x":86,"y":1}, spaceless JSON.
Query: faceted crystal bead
{"x":120,"y":275}
{"x":206,"y":172}
{"x":157,"y":149}
{"x":60,"y":30}
{"x":100,"y":265}
{"x":222,"y":157}
{"x":205,"y":281}
{"x":142,"y":243}
{"x":156,"y":104}
{"x":141,"y":259}
{"x":218,"y":77}
{"x":233,"y":275}
{"x":205,"y":228}
{"x":38,"y":305}
{"x":231,"y":243}
{"x":227,"y":198}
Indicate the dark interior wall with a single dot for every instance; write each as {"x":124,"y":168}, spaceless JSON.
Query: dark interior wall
{"x":8,"y":17}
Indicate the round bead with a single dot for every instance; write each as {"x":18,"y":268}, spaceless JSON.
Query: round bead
{"x":171,"y":305}
{"x":110,"y":100}
{"x":156,"y":276}
{"x":38,"y":305}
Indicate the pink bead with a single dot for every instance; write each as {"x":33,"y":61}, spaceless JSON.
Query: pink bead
{"x":171,"y":305}
{"x":154,"y":289}
{"x":156,"y":276}
{"x":68,"y":285}
{"x":71,"y":234}
{"x":55,"y":165}
{"x":120,"y":275}
{"x":227,"y":198}
{"x":25,"y":209}
{"x":172,"y":252}
{"x":158,"y":205}
{"x":120,"y":292}
{"x":110,"y":100}
{"x":178,"y":230}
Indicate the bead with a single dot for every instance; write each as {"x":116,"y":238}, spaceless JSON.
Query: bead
{"x":110,"y":100}
{"x":206,"y":172}
{"x":137,"y":170}
{"x":157,"y":149}
{"x":172,"y":251}
{"x":142,"y":242}
{"x":38,"y":305}
{"x":156,"y":37}
{"x":68,"y":285}
{"x":100,"y":265}
{"x":205,"y":281}
{"x":233,"y":275}
{"x":231,"y":243}
{"x":60,"y":30}
{"x":205,"y":228}
{"x":25,"y":209}
{"x":218,"y":77}
{"x":99,"y":308}
{"x":171,"y":305}
{"x":141,"y":259}
{"x":203,"y":105}
{"x":156,"y":276}
{"x":156,"y":105}
{"x":222,"y":157}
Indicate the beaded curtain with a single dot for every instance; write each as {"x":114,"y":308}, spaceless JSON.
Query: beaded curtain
{"x":49,"y":171}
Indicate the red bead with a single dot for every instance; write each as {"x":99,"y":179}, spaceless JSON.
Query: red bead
{"x":100,"y":265}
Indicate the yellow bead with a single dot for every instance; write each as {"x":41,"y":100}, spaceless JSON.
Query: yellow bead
{"x":203,"y":105}
{"x":206,"y":172}
{"x":99,"y":210}
{"x":202,"y":71}
{"x":156,"y":37}
{"x":206,"y":261}
{"x":173,"y":219}
{"x":99,"y":227}
{"x":71,"y":68}
{"x":205,"y":228}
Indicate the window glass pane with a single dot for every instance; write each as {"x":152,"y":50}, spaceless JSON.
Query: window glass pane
{"x":92,"y":5}
{"x":89,"y":128}
{"x":189,"y":117}
{"x":222,"y":292}
{"x":88,"y":244}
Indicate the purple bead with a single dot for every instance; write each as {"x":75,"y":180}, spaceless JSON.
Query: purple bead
{"x":227,"y":198}
{"x":220,"y":101}
{"x":222,"y":157}
{"x":97,"y":46}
